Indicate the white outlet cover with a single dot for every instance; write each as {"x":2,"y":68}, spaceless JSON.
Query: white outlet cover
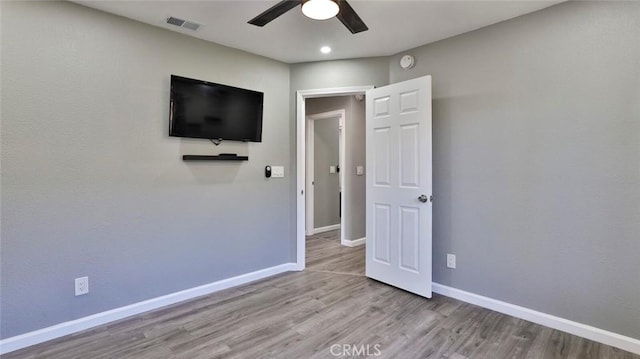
{"x":332,"y":169}
{"x":81,"y":286}
{"x":359,"y":170}
{"x":451,"y":261}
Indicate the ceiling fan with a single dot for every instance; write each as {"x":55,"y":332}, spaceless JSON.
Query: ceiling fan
{"x":315,"y":9}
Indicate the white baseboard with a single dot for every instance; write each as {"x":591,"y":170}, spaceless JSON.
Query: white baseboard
{"x":353,"y":243}
{"x":326,"y":228}
{"x":74,"y":326}
{"x":565,"y":325}
{"x":297,"y":267}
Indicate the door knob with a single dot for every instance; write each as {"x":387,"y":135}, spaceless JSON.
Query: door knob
{"x":423,"y":198}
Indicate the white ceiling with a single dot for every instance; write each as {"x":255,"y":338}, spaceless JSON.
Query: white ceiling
{"x":394,"y":25}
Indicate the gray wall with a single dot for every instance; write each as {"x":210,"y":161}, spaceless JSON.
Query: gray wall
{"x":355,"y":186}
{"x":92,"y":184}
{"x":328,"y":74}
{"x":537,"y":161}
{"x":339,"y":73}
{"x":326,"y":210}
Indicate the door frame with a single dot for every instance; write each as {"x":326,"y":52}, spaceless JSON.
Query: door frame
{"x":310,"y":175}
{"x":301,"y":133}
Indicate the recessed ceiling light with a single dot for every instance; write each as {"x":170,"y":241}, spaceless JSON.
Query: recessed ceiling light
{"x":325,"y":49}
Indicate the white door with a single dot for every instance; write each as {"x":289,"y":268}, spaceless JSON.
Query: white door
{"x":399,"y":207}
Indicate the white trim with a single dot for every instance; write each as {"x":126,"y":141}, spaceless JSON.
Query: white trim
{"x":342,"y":150}
{"x":335,"y":91}
{"x":548,"y":320}
{"x":329,"y":114}
{"x":354,"y":242}
{"x":301,"y":160}
{"x":74,"y":326}
{"x":300,"y":181}
{"x":326,"y":228}
{"x":310,"y":175}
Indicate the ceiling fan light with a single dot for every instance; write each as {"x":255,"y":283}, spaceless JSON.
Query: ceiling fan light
{"x":320,"y":9}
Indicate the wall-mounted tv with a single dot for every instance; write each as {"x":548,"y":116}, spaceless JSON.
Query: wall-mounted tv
{"x":202,"y":109}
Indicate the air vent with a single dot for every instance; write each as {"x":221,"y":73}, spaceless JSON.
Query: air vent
{"x":183,"y":23}
{"x":175,"y":21}
{"x":191,"y":25}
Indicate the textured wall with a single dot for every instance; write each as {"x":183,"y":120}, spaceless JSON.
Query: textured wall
{"x":354,"y":218}
{"x":537,"y":161}
{"x":92,"y":184}
{"x":326,"y":210}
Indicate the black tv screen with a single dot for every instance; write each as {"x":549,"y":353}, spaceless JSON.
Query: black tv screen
{"x":202,"y":109}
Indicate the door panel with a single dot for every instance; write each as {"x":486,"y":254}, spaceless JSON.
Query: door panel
{"x":382,"y":221}
{"x":382,"y":106}
{"x":409,"y":102}
{"x":381,"y":165}
{"x":409,"y":156}
{"x":410,"y":239}
{"x":398,"y":140}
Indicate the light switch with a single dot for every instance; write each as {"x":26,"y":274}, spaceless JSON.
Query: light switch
{"x":277,"y":171}
{"x":332,"y":169}
{"x":359,"y":170}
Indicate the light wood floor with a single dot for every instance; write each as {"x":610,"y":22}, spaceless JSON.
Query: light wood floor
{"x":303,"y":314}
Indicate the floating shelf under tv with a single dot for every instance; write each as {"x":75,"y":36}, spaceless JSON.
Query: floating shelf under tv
{"x":222,"y":157}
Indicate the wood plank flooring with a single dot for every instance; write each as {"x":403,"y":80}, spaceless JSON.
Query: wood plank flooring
{"x":317,"y":313}
{"x":325,"y":254}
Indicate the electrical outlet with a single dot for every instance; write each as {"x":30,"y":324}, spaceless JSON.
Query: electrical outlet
{"x":451,"y":261}
{"x":82,"y":286}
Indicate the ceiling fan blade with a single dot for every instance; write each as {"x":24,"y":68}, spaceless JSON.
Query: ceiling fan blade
{"x":350,"y":19}
{"x":273,"y":12}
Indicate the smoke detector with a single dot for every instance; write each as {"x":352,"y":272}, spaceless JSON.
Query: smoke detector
{"x":182,"y":23}
{"x":407,"y":62}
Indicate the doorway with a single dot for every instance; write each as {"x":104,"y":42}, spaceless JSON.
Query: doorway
{"x":301,"y":150}
{"x":398,"y":191}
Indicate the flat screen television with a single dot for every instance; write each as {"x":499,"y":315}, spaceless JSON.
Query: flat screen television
{"x":201,"y":109}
